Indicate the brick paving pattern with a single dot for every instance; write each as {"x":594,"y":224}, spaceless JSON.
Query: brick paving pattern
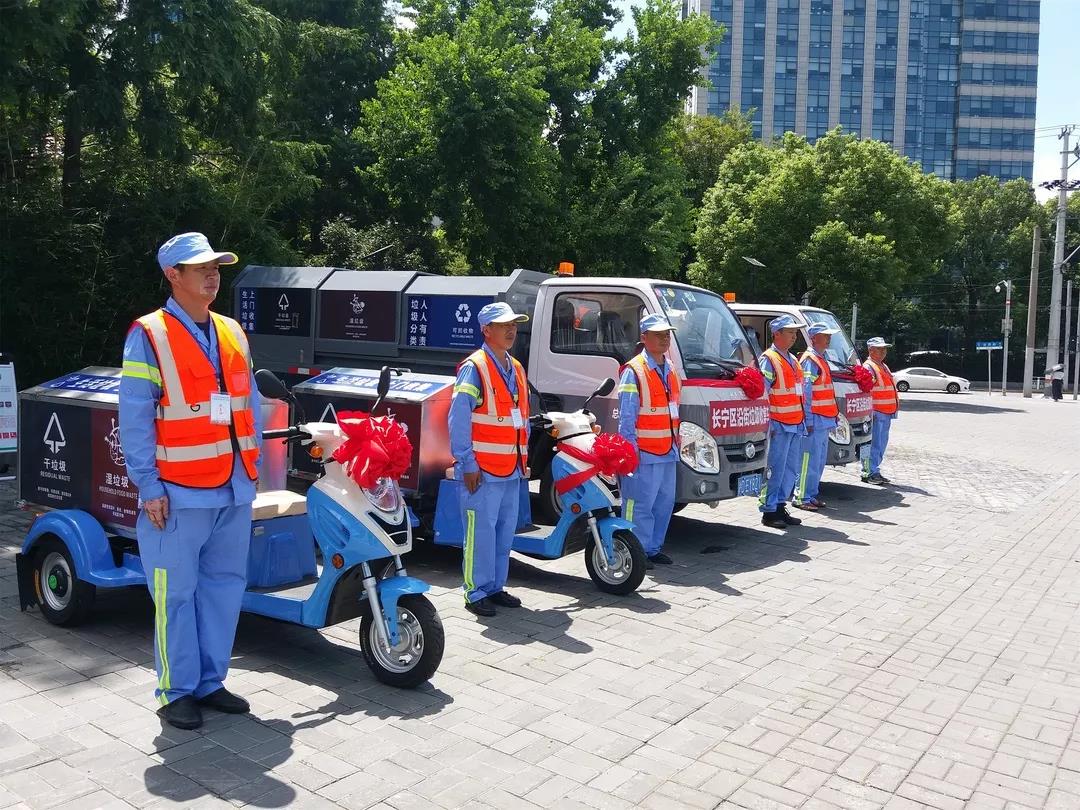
{"x":914,"y":647}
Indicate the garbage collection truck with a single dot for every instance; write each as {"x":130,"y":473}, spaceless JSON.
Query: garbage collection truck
{"x":325,"y":329}
{"x":850,"y":439}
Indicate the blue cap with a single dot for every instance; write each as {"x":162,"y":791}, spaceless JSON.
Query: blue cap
{"x":784,"y":322}
{"x":821,"y":329}
{"x":877,"y":343}
{"x":191,"y":248}
{"x":655,"y":323}
{"x":499,"y":312}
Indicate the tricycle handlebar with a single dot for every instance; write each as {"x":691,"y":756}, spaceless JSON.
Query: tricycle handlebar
{"x":290,"y":433}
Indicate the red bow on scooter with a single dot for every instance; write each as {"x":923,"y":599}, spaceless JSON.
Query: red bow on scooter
{"x":375,"y":447}
{"x":611,"y":454}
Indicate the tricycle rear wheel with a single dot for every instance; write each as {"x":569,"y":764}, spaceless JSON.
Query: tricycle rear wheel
{"x":65,"y":600}
{"x":629,"y":570}
{"x":420,"y":649}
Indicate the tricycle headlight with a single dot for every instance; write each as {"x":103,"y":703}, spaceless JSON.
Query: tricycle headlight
{"x":841,"y":434}
{"x":610,"y":480}
{"x":385,"y":495}
{"x":698,"y":449}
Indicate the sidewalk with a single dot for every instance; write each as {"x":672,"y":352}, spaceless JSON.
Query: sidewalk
{"x":913,"y":646}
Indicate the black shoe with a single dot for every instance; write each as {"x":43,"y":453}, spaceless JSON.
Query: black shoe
{"x":504,"y":599}
{"x":182,"y":713}
{"x":883,"y":478}
{"x":790,"y":520}
{"x":225,"y":701}
{"x":660,"y":558}
{"x":773,"y":520}
{"x":876,"y":478}
{"x":480,"y":607}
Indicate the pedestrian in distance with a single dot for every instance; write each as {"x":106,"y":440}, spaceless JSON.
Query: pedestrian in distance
{"x":787,"y":423}
{"x":886,"y":404}
{"x":649,"y":394}
{"x":489,"y":439}
{"x":1057,"y":380}
{"x":820,"y":413}
{"x":191,"y":432}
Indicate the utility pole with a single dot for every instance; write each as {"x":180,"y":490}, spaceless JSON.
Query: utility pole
{"x":1053,"y":340}
{"x":1068,"y":324}
{"x":1006,"y":328}
{"x":1033,"y":306}
{"x":854,"y":320}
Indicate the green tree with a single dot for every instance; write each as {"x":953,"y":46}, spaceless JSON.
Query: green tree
{"x":842,"y":220}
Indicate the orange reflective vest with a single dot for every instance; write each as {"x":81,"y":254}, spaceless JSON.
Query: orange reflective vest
{"x":883,"y":394}
{"x":822,"y":393}
{"x":657,"y":427}
{"x":498,"y":445}
{"x":785,"y":395}
{"x":191,"y":450}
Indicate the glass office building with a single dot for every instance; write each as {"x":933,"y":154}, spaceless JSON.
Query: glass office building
{"x":949,"y":83}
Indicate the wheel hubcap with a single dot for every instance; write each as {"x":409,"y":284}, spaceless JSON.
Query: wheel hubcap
{"x":404,"y":655}
{"x":617,"y":571}
{"x":56,"y":581}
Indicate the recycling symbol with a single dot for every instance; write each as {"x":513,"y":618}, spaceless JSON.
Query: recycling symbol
{"x":463,"y":314}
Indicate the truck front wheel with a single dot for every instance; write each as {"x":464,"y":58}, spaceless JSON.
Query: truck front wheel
{"x":65,"y":599}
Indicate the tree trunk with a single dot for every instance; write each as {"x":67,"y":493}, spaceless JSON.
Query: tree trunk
{"x":72,"y":154}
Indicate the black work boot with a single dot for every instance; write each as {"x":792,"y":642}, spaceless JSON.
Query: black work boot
{"x":481,"y":607}
{"x":182,"y":713}
{"x":773,"y":520}
{"x":788,"y":518}
{"x":225,"y":701}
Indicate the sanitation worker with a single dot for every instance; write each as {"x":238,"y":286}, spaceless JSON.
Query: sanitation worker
{"x":886,"y":403}
{"x":784,"y":385}
{"x":190,"y":428}
{"x":489,"y":439}
{"x":819,"y":414}
{"x":649,"y":419}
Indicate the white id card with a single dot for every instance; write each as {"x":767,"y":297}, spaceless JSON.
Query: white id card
{"x":220,"y":412}
{"x":673,"y":410}
{"x":515,"y":414}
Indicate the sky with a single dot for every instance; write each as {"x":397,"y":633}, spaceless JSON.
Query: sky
{"x":1059,"y":97}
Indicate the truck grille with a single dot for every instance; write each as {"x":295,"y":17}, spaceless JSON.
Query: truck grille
{"x":737,"y":452}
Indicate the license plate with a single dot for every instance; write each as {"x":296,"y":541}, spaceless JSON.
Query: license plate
{"x":864,"y":451}
{"x":748,"y":484}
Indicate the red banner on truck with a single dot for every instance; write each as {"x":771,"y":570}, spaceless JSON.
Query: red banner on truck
{"x":738,"y":416}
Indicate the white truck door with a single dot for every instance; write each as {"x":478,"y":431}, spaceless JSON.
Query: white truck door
{"x":582,"y":335}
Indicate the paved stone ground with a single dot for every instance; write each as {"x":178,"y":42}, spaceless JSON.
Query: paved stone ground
{"x":913,"y":647}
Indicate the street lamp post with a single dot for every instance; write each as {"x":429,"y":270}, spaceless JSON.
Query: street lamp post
{"x":1006,"y":328}
{"x":750,"y":260}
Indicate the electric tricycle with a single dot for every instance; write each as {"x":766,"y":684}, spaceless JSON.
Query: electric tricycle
{"x":68,"y":554}
{"x":614,"y":556}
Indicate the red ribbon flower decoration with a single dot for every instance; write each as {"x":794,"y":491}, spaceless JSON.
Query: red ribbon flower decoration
{"x":611,"y":454}
{"x":375,"y":447}
{"x":751,"y":380}
{"x":863,"y":378}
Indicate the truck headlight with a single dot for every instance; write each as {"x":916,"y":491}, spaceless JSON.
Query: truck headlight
{"x":841,"y":434}
{"x":698,"y":449}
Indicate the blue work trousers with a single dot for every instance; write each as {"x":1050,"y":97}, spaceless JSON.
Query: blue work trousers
{"x":878,"y":443}
{"x":648,"y":499}
{"x":783,"y":465}
{"x":815,"y":449}
{"x":196,"y":571}
{"x":490,"y":518}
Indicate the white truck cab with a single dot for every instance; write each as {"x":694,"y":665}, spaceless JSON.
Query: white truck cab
{"x":847,"y":441}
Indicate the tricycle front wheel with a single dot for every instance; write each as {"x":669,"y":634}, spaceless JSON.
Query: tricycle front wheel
{"x":65,"y":600}
{"x":629,"y":569}
{"x":419,"y":650}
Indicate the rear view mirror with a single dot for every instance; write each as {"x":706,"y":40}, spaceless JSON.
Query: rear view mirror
{"x":606,"y":387}
{"x":384,"y":382}
{"x":270,"y":386}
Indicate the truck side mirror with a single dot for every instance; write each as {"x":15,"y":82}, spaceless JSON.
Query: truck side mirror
{"x":270,"y":386}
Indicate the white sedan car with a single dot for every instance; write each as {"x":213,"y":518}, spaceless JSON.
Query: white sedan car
{"x":928,"y":379}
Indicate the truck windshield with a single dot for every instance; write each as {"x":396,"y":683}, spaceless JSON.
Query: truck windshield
{"x":709,"y":335}
{"x":840,"y":352}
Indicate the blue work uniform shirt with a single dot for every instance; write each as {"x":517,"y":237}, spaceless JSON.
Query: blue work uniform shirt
{"x":811,"y":372}
{"x":766,"y":367}
{"x":467,"y":396}
{"x":140,"y":393}
{"x":630,"y":407}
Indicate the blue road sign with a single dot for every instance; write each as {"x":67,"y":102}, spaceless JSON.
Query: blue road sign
{"x":987,"y":345}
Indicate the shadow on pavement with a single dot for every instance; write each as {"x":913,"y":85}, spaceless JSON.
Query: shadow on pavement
{"x":854,"y":503}
{"x":960,"y":406}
